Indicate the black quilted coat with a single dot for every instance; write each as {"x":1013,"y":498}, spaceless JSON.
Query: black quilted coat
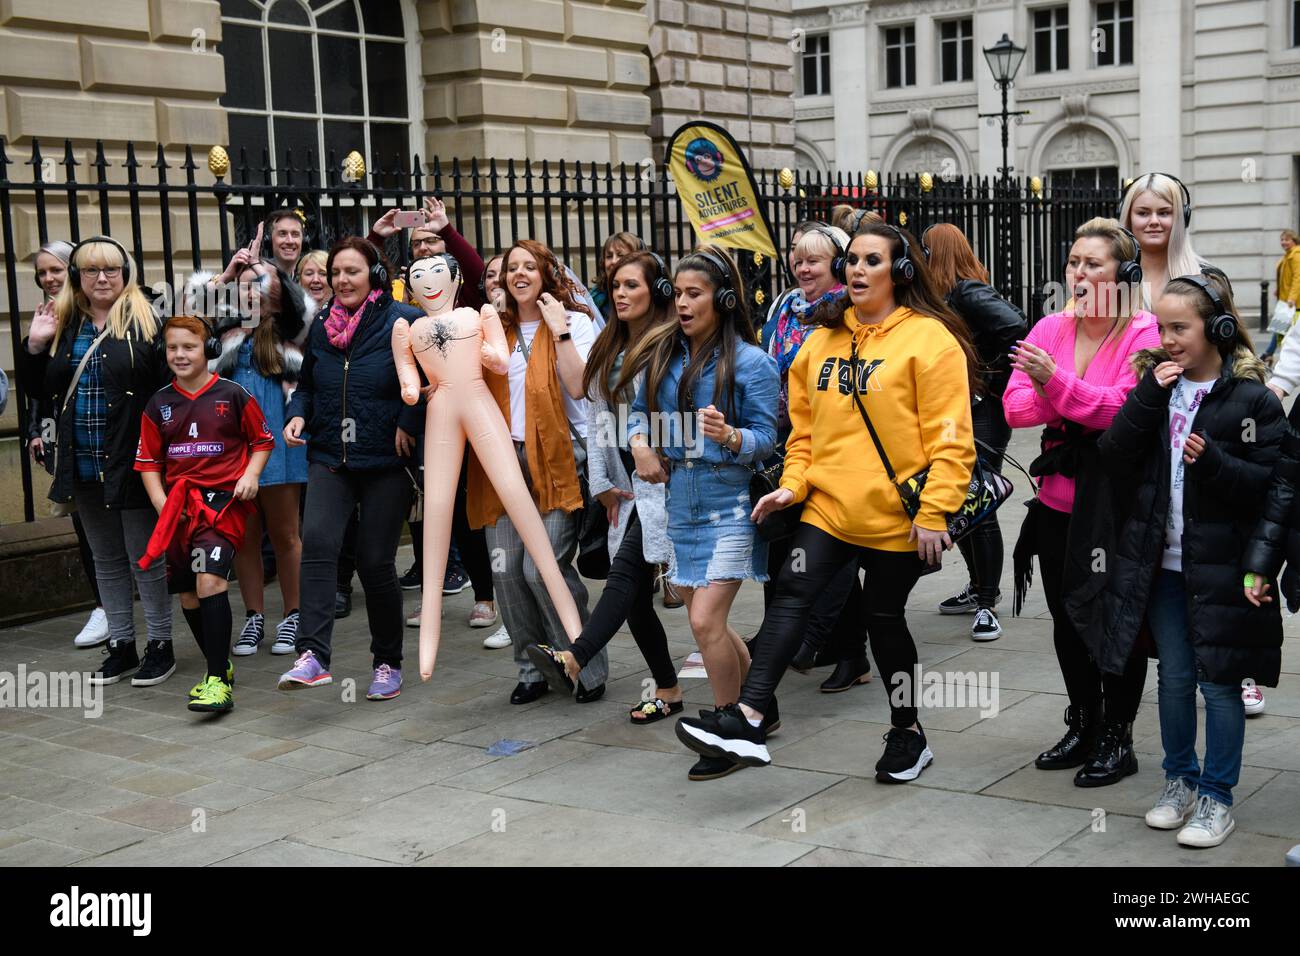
{"x":1277,"y":536}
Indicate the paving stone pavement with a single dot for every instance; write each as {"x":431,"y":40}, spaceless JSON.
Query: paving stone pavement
{"x":324,"y":777}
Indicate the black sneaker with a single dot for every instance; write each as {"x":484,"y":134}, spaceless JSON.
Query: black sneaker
{"x":772,"y":719}
{"x":986,"y":626}
{"x":251,"y":637}
{"x":963,"y":603}
{"x":119,"y":660}
{"x":906,"y":755}
{"x":410,"y":581}
{"x":725,"y":733}
{"x":455,"y":580}
{"x":342,"y":604}
{"x":711,"y":768}
{"x":159,"y":664}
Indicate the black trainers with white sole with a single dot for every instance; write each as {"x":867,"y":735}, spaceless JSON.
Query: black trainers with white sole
{"x":725,"y":732}
{"x":963,"y":603}
{"x":906,"y":755}
{"x":251,"y":637}
{"x":159,"y":664}
{"x":985,"y":626}
{"x":711,"y":768}
{"x":120,"y":659}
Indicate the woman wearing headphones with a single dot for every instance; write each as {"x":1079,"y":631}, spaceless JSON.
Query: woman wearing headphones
{"x":541,"y":397}
{"x":1072,"y":375}
{"x":613,"y":250}
{"x":1157,"y":209}
{"x":995,"y":326}
{"x":835,"y":631}
{"x":1198,"y":481}
{"x":349,"y":413}
{"x":642,"y":293}
{"x":97,"y":358}
{"x":51,"y":272}
{"x":704,"y":416}
{"x":891,"y":350}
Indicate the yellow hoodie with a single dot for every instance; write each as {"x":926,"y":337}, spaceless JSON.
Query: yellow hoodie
{"x":913,"y":382}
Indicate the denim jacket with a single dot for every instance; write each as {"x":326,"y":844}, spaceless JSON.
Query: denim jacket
{"x":753,"y":416}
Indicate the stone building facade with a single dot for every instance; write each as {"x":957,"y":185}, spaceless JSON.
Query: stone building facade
{"x":1208,"y":90}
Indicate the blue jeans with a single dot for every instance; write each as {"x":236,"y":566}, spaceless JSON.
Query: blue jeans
{"x":1225,"y":715}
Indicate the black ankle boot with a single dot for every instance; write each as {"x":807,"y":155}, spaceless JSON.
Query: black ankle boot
{"x":1072,"y":749}
{"x":1112,"y":759}
{"x":847,"y":674}
{"x":805,"y":660}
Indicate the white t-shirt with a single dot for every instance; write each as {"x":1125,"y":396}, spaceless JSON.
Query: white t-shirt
{"x":1184,"y":402}
{"x":584,"y":335}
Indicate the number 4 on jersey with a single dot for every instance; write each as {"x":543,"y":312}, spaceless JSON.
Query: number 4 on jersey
{"x":194,"y":429}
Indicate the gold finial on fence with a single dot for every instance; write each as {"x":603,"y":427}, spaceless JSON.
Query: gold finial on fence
{"x":927,"y":182}
{"x":759,"y":298}
{"x":785,"y":177}
{"x":758,"y":258}
{"x":354,"y":167}
{"x":1036,"y":187}
{"x":218,"y":161}
{"x":902,"y":219}
{"x":871,"y":181}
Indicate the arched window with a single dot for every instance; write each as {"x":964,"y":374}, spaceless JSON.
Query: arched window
{"x":318,"y":75}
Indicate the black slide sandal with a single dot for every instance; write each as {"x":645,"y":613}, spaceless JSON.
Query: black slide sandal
{"x":655,"y":711}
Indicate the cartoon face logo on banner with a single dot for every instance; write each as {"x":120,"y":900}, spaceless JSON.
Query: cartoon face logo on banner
{"x":704,"y":159}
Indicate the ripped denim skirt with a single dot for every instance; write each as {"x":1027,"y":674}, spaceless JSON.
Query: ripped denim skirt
{"x":708,"y":525}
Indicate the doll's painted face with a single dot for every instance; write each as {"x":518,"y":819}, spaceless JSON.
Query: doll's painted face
{"x":433,"y":283}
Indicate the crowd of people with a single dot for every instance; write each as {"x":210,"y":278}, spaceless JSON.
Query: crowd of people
{"x":822,"y":450}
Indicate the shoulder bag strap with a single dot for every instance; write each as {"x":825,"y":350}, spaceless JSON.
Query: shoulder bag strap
{"x":81,"y":367}
{"x":862,"y":410}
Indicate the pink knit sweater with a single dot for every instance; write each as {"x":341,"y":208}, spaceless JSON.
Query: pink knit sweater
{"x":1091,"y":401}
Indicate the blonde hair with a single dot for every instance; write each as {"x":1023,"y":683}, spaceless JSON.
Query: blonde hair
{"x":319,"y":256}
{"x":131,"y":316}
{"x":815,"y":241}
{"x":1181,"y":259}
{"x":1122,"y":247}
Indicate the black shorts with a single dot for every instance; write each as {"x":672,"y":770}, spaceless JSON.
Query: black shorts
{"x":195,"y":551}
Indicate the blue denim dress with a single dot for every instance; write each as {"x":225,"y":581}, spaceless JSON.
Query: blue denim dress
{"x":286,"y":465}
{"x":712,"y":536}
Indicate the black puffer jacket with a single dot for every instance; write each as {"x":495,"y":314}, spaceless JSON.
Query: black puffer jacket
{"x":359,"y":386}
{"x":133,"y":369}
{"x":1277,"y":536}
{"x":1243,"y":426}
{"x":995,"y":325}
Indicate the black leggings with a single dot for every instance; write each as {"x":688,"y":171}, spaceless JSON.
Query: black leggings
{"x":1084,"y":682}
{"x":890,"y":577}
{"x":87,"y":558}
{"x":629,"y":596}
{"x":982,"y":548}
{"x":835,"y":625}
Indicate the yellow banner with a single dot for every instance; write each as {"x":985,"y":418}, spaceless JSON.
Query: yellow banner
{"x":717,"y":189}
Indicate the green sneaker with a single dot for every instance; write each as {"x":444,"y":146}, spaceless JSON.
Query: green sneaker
{"x":214,"y":697}
{"x":197,"y":689}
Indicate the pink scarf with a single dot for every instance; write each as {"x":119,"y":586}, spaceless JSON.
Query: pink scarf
{"x":340,"y":326}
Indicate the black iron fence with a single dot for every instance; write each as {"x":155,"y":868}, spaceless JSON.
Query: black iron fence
{"x":1020,"y":229}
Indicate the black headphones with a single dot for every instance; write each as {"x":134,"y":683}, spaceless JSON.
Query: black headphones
{"x":837,"y":260}
{"x":378,"y":271}
{"x":1220,"y":328}
{"x":858,"y":216}
{"x":1187,"y":196}
{"x":661,"y":290}
{"x":74,"y":274}
{"x":211,"y":344}
{"x":925,"y":248}
{"x":901,"y":270}
{"x":49,"y":250}
{"x":1130,"y":270}
{"x":724,"y":296}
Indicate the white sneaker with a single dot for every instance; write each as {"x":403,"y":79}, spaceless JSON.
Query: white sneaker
{"x":250,"y":638}
{"x":286,"y":635}
{"x":414,"y":619}
{"x":1174,"y":806}
{"x":498,"y":640}
{"x":1209,"y":826}
{"x":986,"y":626}
{"x":1252,"y":698}
{"x":95,"y":632}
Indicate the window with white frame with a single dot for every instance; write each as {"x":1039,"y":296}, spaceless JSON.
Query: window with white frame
{"x":1051,"y":39}
{"x":1112,"y":35}
{"x":317,"y":75}
{"x":816,"y":61}
{"x":900,"y":56}
{"x":956,"y":50}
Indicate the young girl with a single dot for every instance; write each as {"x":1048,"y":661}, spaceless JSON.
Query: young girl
{"x":1072,"y":374}
{"x":706,"y":368}
{"x":892,"y":345}
{"x":1194,"y":448}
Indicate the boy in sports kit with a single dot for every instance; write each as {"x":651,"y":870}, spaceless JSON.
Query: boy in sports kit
{"x":203,"y":444}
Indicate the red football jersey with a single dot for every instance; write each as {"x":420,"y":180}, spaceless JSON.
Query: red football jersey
{"x":206,"y":437}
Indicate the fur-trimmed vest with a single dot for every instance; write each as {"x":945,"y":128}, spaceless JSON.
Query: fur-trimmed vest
{"x":298,"y":310}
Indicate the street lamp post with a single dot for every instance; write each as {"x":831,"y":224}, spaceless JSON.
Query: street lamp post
{"x":1004,"y":59}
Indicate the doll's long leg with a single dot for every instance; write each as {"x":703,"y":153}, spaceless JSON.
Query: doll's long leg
{"x":490,"y":438}
{"x":444,"y":447}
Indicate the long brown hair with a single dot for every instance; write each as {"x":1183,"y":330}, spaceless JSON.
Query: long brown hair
{"x":616,"y":336}
{"x":657,"y":347}
{"x":554,"y":280}
{"x":265,"y":354}
{"x":950,"y":257}
{"x":921,"y":296}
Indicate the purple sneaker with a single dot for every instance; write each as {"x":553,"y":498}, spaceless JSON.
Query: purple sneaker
{"x":386,"y":685}
{"x":306,"y":672}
